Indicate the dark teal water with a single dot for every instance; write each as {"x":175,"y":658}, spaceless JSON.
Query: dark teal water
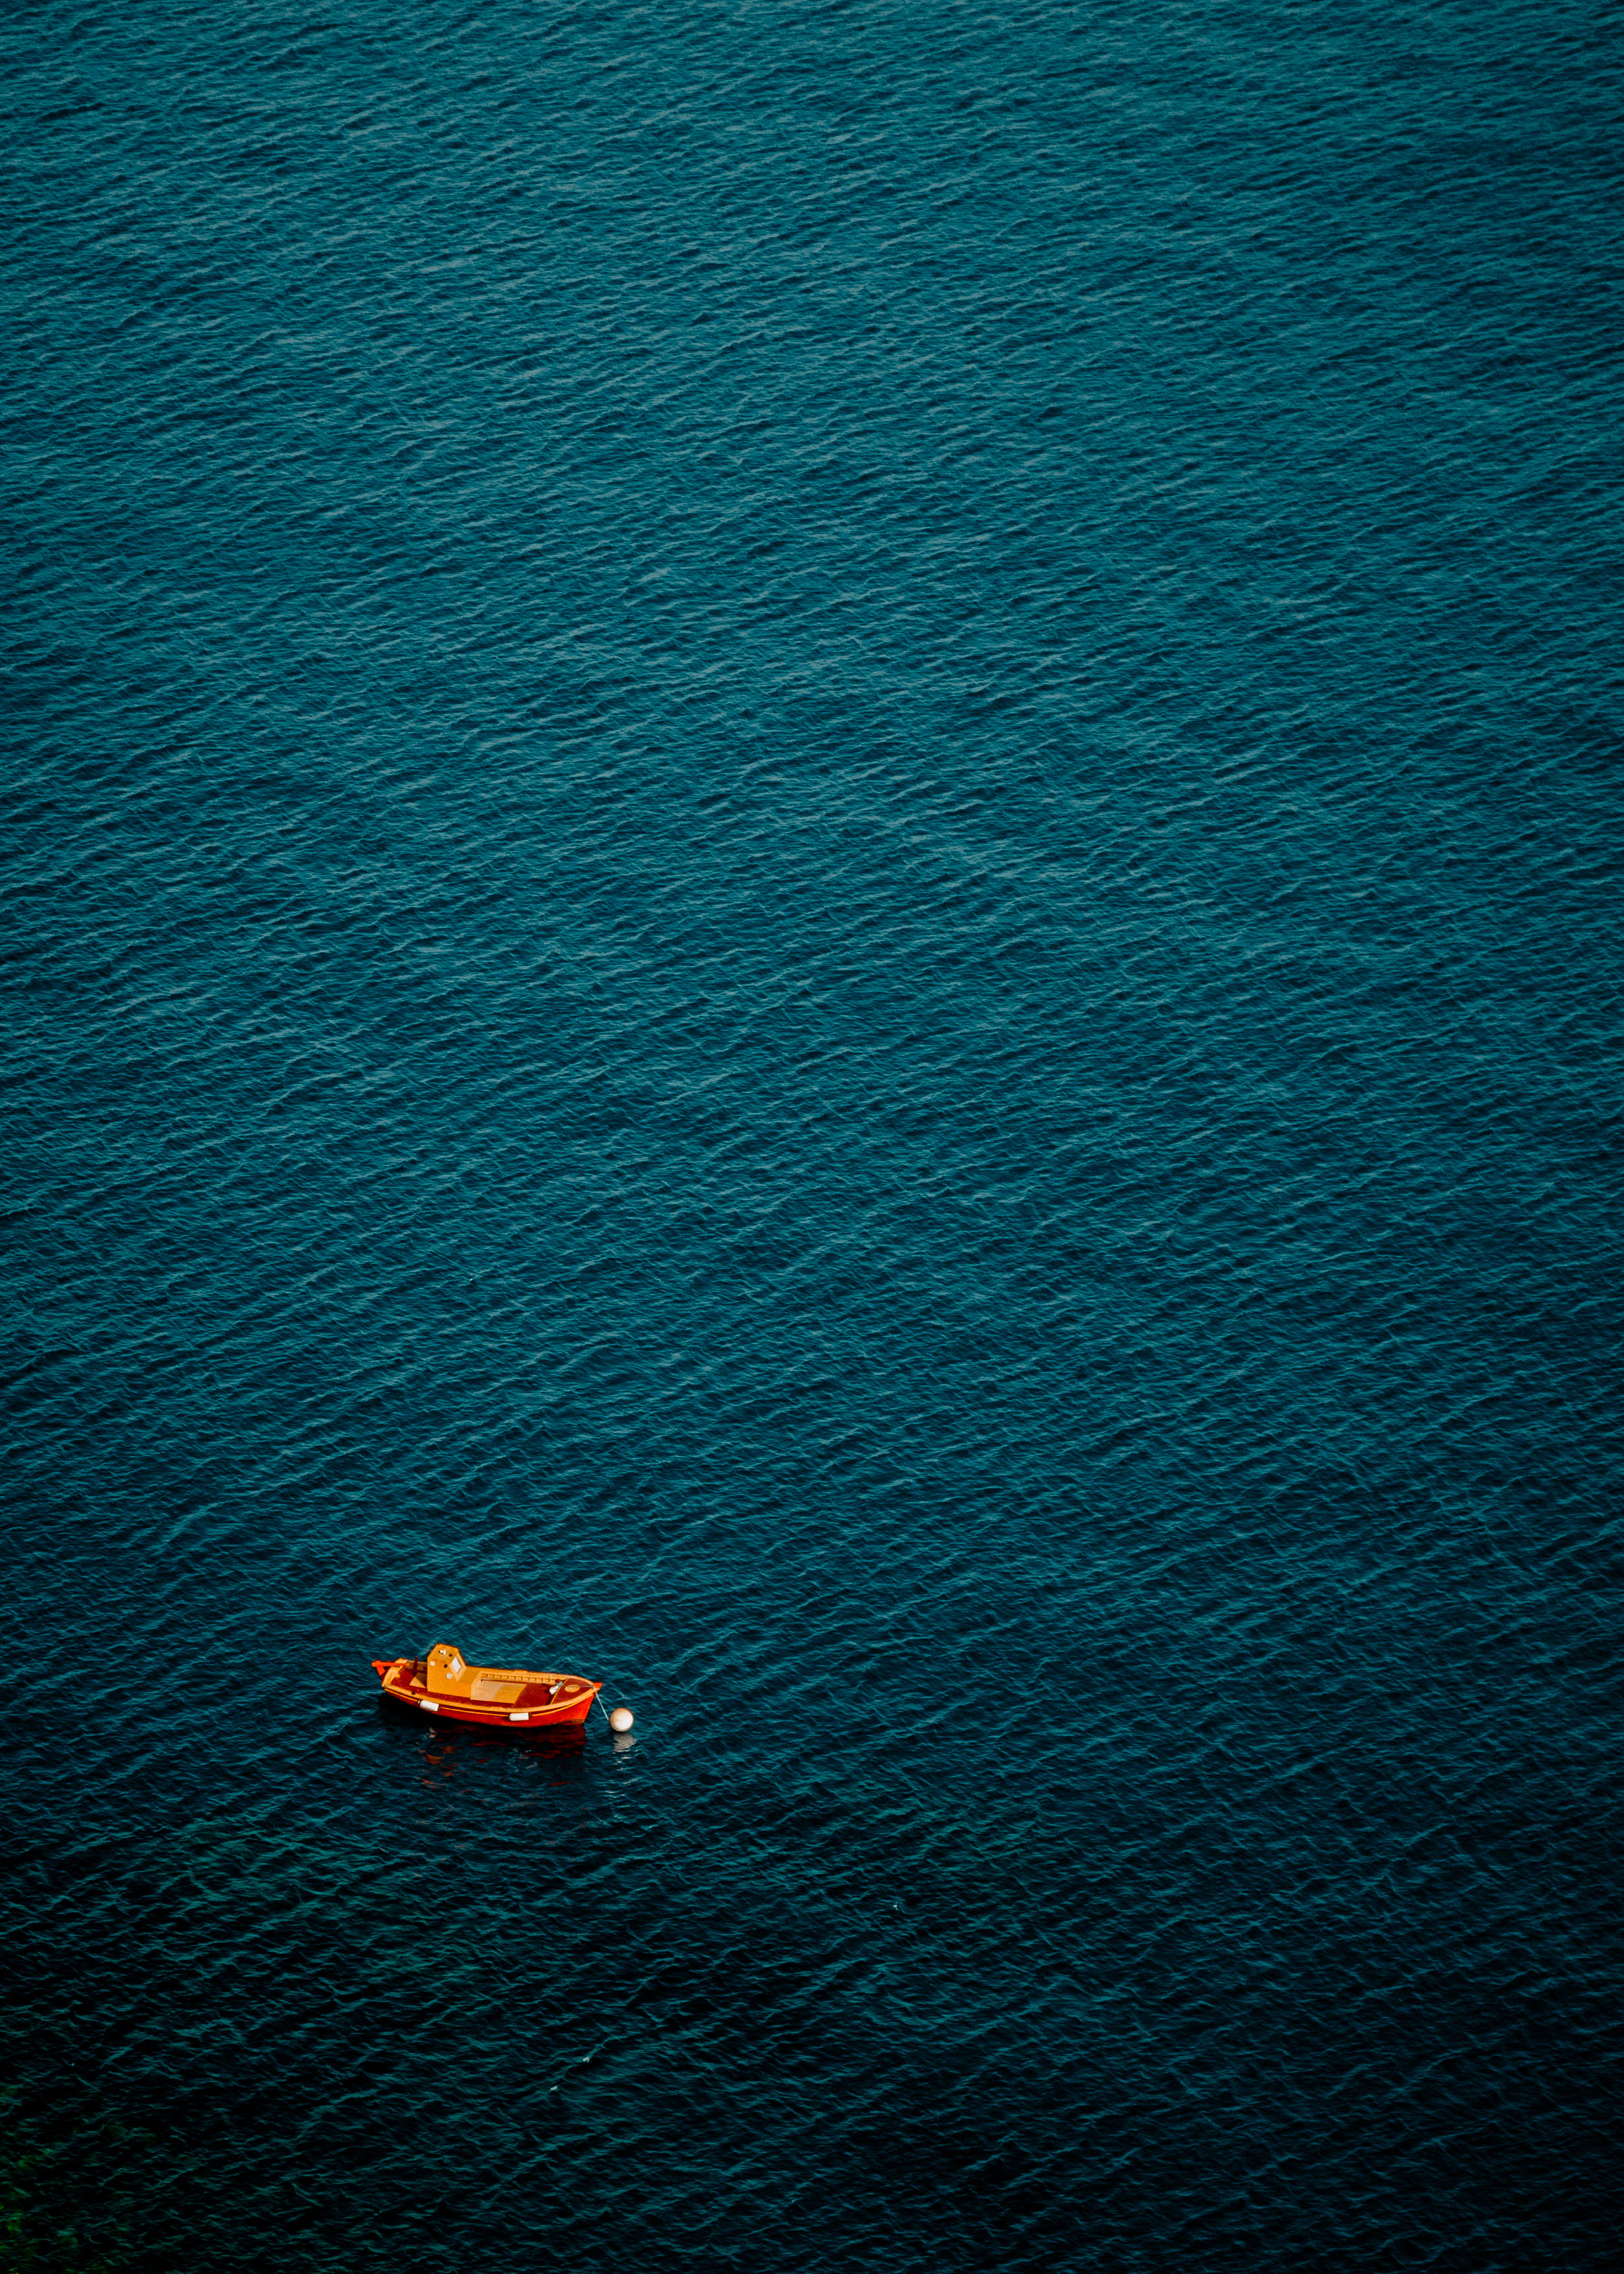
{"x":811,"y":853}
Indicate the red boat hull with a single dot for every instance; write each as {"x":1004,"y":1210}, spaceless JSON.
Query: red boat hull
{"x":562,"y":1703}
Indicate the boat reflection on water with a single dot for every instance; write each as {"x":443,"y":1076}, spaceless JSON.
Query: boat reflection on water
{"x":448,"y":1755}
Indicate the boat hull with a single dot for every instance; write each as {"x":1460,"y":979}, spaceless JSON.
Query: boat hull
{"x":402,"y":1686}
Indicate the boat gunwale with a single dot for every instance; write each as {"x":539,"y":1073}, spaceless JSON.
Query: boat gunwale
{"x":558,"y":1713}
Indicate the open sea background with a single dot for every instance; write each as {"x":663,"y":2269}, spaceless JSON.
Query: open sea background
{"x":811,"y":858}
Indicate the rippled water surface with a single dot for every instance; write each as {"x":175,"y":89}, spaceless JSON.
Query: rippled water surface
{"x":811,"y":850}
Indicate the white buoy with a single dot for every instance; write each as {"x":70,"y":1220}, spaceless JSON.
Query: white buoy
{"x":621,"y":1719}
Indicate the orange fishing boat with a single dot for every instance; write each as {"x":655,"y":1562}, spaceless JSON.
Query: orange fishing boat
{"x":495,"y":1697}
